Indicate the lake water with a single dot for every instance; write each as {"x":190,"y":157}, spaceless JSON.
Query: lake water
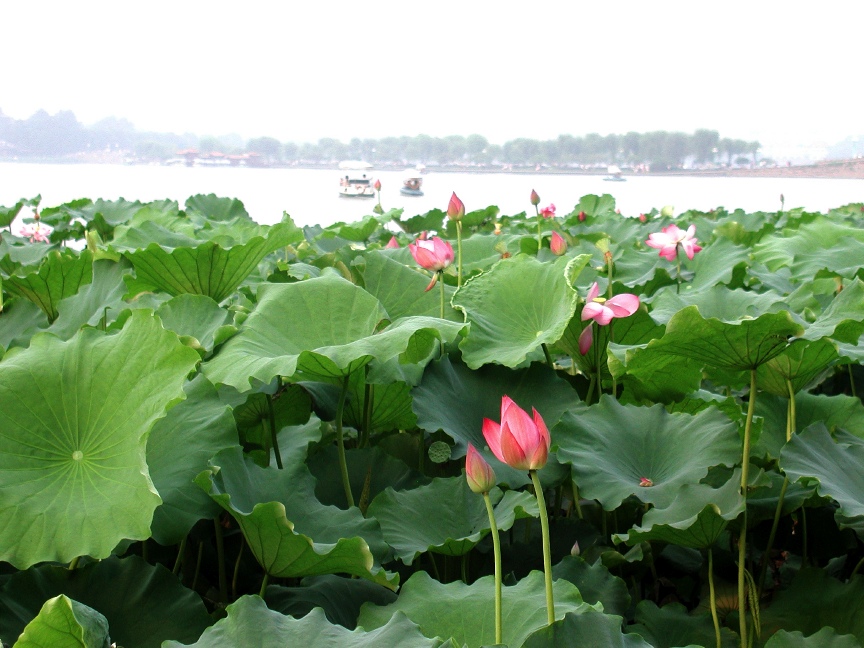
{"x":310,"y":196}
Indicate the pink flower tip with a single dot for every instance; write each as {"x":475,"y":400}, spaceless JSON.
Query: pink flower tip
{"x":392,"y":243}
{"x":480,"y":476}
{"x":535,"y":198}
{"x":582,"y":216}
{"x":557,"y":244}
{"x":377,"y":185}
{"x":520,"y":441}
{"x":455,"y":208}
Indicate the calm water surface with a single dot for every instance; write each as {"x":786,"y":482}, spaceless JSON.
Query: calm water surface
{"x":310,"y":196}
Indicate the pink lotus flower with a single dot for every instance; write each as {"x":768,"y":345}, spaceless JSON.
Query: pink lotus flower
{"x":433,"y":254}
{"x":480,"y":476}
{"x":535,"y":198}
{"x":37,"y":233}
{"x":455,"y":208}
{"x":377,"y":185}
{"x":548,"y":212}
{"x":604,"y":311}
{"x":519,"y":441}
{"x":392,"y":243}
{"x":557,"y":244}
{"x":671,"y":238}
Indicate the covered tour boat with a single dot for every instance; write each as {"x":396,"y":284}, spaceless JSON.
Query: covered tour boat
{"x":413,"y":183}
{"x":614,"y":174}
{"x":355,"y":181}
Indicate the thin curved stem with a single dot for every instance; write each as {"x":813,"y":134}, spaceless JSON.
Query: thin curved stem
{"x":220,"y":556}
{"x":237,"y":567}
{"x":713,"y":597}
{"x":274,"y":441}
{"x":548,"y":357}
{"x":340,"y":442}
{"x":547,"y":550}
{"x":441,"y":281}
{"x":742,"y":539}
{"x":264,"y":583}
{"x":458,"y":254}
{"x":180,"y":553}
{"x":496,"y":549}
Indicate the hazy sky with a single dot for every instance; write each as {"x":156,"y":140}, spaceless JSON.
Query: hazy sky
{"x":300,"y":70}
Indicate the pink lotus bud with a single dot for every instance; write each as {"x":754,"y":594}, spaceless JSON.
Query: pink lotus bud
{"x":643,"y":218}
{"x":480,"y":476}
{"x":557,"y":244}
{"x":392,"y":243}
{"x":574,"y":550}
{"x":377,"y":184}
{"x":582,"y":216}
{"x":435,"y":254}
{"x":535,"y":198}
{"x":520,"y":441}
{"x":455,"y":209}
{"x":548,"y":212}
{"x":644,"y":482}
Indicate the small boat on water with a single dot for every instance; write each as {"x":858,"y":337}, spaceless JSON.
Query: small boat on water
{"x":355,"y":180}
{"x":412,"y":184}
{"x":614,"y":174}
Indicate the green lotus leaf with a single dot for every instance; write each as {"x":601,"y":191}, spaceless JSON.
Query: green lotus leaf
{"x":695,"y":518}
{"x":717,"y":302}
{"x":74,"y":418}
{"x":207,"y":269}
{"x":358,"y":232}
{"x":801,"y":363}
{"x":843,"y":319}
{"x":467,"y":612}
{"x":106,"y":215}
{"x":292,"y":406}
{"x":197,"y":316}
{"x":516,"y":306}
{"x":96,"y":303}
{"x":144,"y":604}
{"x":401,"y":289}
{"x":64,"y":622}
{"x":814,"y":601}
{"x":671,"y":626}
{"x":595,"y":583}
{"x":591,"y":628}
{"x":825,"y":638}
{"x":277,"y":339}
{"x":444,"y":516}
{"x":251,"y":623}
{"x":60,"y":275}
{"x":838,"y":466}
{"x":718,"y":263}
{"x":148,"y":228}
{"x":594,"y":206}
{"x":432,"y":220}
{"x":740,"y":345}
{"x":656,"y":377}
{"x":21,"y":320}
{"x":269,"y":504}
{"x":612,"y":447}
{"x":340,"y":598}
{"x":179,"y":446}
{"x":8,"y":214}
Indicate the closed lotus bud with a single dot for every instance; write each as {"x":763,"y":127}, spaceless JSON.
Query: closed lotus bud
{"x":377,"y":185}
{"x":535,"y":198}
{"x":642,"y":218}
{"x":557,"y":244}
{"x":455,"y":209}
{"x":574,"y":550}
{"x":392,"y":243}
{"x":480,"y":476}
{"x":668,"y":211}
{"x":582,"y":216}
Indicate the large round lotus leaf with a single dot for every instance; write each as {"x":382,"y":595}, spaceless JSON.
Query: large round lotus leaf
{"x":196,"y":316}
{"x":825,"y":638}
{"x":657,"y":377}
{"x":801,"y":363}
{"x":285,"y":334}
{"x":737,"y":345}
{"x":339,"y":597}
{"x":838,"y":466}
{"x":595,"y":583}
{"x":843,"y":319}
{"x":612,"y":447}
{"x":815,"y":600}
{"x":60,"y":275}
{"x":251,"y":623}
{"x":144,"y":604}
{"x":672,"y":626}
{"x":268,"y":503}
{"x":467,"y":612}
{"x":178,"y":449}
{"x":717,"y":302}
{"x":517,"y":305}
{"x":696,"y":517}
{"x":74,"y":418}
{"x":591,"y":628}
{"x":64,"y":622}
{"x":22,"y":319}
{"x":444,"y":516}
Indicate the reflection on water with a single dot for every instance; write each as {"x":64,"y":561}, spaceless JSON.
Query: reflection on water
{"x":311,"y":196}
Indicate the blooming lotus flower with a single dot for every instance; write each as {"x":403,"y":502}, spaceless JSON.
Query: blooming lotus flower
{"x":520,"y":441}
{"x":36,"y":232}
{"x":432,"y":254}
{"x":548,"y":212}
{"x":455,"y":208}
{"x":480,"y":476}
{"x":392,"y":243}
{"x":670,"y":238}
{"x":604,"y":311}
{"x":535,"y":198}
{"x":557,"y":244}
{"x":377,"y":185}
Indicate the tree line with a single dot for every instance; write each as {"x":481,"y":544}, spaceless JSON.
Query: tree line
{"x":62,"y":136}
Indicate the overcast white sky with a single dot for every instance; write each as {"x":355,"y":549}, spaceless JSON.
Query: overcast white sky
{"x":780,"y":72}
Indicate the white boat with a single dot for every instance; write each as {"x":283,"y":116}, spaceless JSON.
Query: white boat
{"x":614,"y":174}
{"x":412,"y":184}
{"x":355,"y":181}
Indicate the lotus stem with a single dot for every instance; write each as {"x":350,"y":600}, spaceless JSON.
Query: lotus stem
{"x":596,"y":345}
{"x":848,"y":367}
{"x":74,"y":564}
{"x":198,"y":565}
{"x":742,"y":539}
{"x":181,"y":550}
{"x":441,"y":281}
{"x":547,"y":549}
{"x":713,"y":597}
{"x":220,"y":557}
{"x":264,"y":583}
{"x":274,"y":441}
{"x":458,"y":255}
{"x":340,"y":442}
{"x":368,"y":395}
{"x":548,"y":357}
{"x":496,"y":550}
{"x":237,"y":566}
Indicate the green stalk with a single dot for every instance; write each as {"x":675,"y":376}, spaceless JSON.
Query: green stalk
{"x":264,"y":583}
{"x":547,"y":549}
{"x":742,"y":539}
{"x":848,"y":366}
{"x":237,"y":567}
{"x":496,"y":549}
{"x":220,"y":556}
{"x":340,"y":442}
{"x":368,"y":396}
{"x":441,"y":281}
{"x":273,"y":439}
{"x":458,"y":254}
{"x":198,"y":565}
{"x":596,"y":345}
{"x":74,"y":564}
{"x":539,"y":235}
{"x":548,"y":357}
{"x":180,"y":552}
{"x":713,"y":596}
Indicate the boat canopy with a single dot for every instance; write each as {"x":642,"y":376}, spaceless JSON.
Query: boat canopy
{"x":354,"y":165}
{"x":613,"y":170}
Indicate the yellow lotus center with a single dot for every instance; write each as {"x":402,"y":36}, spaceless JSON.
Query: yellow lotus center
{"x":77,"y":455}
{"x":599,"y":300}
